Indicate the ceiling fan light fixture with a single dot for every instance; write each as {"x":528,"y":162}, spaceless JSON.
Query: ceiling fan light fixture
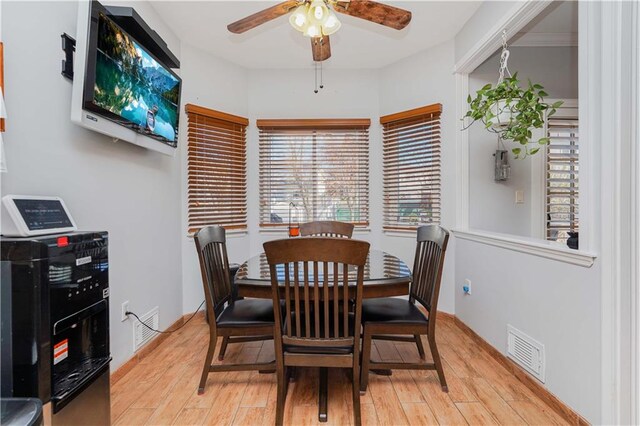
{"x":313,"y":30}
{"x":331,"y":25}
{"x":318,"y":12}
{"x":299,"y":19}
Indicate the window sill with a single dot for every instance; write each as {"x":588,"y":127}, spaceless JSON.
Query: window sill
{"x":361,"y":230}
{"x":234,"y":233}
{"x":275,"y":230}
{"x":546,"y":249}
{"x":402,"y":234}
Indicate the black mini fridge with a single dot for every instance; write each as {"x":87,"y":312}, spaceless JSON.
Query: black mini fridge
{"x":58,"y":317}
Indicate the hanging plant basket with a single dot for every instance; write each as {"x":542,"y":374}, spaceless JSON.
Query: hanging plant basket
{"x":510,"y":110}
{"x":504,"y":113}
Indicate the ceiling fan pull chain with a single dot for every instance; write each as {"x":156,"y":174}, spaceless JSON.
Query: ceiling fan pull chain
{"x":321,"y":74}
{"x":315,"y":69}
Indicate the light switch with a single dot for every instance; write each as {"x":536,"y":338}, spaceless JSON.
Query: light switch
{"x":519,"y":196}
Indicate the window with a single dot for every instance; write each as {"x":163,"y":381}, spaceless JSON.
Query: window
{"x":561,"y":178}
{"x":321,"y":167}
{"x":217,"y":172}
{"x":411,"y":168}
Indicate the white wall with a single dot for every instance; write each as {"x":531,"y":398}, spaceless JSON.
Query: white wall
{"x":216,"y":84}
{"x":425,"y":79}
{"x":117,"y":187}
{"x":492,"y":204}
{"x":487,"y":15}
{"x":555,"y":303}
{"x":556,"y":68}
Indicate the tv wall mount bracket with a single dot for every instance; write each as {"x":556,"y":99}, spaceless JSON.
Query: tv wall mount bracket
{"x":69,"y":47}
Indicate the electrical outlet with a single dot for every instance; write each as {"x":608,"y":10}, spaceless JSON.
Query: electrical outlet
{"x":519,"y":196}
{"x":467,"y":286}
{"x":125,"y":309}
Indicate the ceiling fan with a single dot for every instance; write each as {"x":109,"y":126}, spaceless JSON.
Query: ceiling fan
{"x":316,"y":20}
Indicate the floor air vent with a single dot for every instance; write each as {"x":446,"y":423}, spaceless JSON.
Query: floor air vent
{"x":142,"y":334}
{"x":526,"y":352}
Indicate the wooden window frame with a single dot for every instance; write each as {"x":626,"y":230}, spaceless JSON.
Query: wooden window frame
{"x":305,"y":126}
{"x":431,"y":157}
{"x":225,"y":138}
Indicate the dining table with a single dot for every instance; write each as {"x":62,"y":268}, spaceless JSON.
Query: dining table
{"x":385,"y":275}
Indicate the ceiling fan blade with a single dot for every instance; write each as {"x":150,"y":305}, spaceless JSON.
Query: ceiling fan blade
{"x":373,"y":11}
{"x":321,"y":48}
{"x":261,"y":17}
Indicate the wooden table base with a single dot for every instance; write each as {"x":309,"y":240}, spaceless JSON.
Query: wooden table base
{"x":323,"y":392}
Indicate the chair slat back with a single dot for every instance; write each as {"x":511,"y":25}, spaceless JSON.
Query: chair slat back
{"x":312,"y":276}
{"x":214,"y":267}
{"x":326,"y":228}
{"x":431,"y":246}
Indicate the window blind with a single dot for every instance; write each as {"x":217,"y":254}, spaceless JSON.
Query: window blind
{"x":562,"y":187}
{"x":217,"y":173}
{"x":321,"y":166}
{"x":411,"y":168}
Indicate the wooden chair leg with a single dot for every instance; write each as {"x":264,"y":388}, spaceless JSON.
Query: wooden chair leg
{"x":419,"y":345}
{"x":213,"y":338}
{"x":357,"y":417}
{"x":366,"y":355}
{"x":281,"y":395}
{"x":437,"y":362}
{"x":223,"y":347}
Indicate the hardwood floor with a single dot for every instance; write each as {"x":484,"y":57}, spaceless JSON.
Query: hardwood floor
{"x":162,"y":388}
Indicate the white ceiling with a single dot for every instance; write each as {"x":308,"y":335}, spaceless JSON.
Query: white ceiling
{"x":358,"y":44}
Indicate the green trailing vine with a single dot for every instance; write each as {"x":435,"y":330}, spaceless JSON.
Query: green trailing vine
{"x":525,"y":107}
{"x":511,"y":111}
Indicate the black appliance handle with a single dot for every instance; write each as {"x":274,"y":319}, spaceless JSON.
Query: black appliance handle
{"x":73,"y":319}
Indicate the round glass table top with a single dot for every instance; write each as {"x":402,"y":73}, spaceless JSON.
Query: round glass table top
{"x":380,"y":266}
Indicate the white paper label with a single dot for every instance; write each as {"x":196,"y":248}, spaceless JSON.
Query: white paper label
{"x":83,"y":260}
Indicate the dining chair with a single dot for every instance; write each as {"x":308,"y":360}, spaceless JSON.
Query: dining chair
{"x":235,"y":320}
{"x":317,"y":328}
{"x":392,"y":318}
{"x":326,"y":228}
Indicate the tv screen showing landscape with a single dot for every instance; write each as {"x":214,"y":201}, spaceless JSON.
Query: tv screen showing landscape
{"x":133,"y":86}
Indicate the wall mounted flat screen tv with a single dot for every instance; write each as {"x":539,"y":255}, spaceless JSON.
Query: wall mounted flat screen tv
{"x":127,"y":84}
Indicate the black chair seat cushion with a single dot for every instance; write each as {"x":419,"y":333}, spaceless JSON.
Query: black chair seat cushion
{"x":247,"y":313}
{"x":391,"y":310}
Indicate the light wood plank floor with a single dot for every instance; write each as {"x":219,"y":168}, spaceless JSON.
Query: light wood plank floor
{"x":161,"y":390}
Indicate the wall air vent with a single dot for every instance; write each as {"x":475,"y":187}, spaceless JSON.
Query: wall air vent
{"x":142,"y":334}
{"x":526,"y":352}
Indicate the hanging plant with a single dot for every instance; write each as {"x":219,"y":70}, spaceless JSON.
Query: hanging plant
{"x":510,"y":110}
